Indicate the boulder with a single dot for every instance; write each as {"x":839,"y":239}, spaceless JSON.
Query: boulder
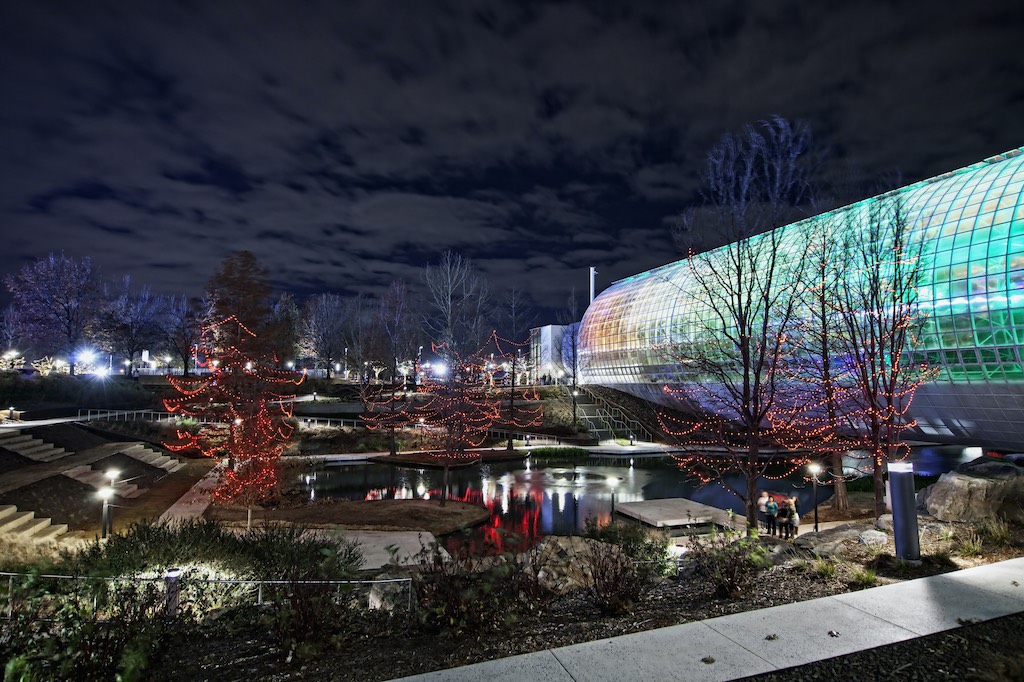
{"x":873,"y":538}
{"x":833,"y":541}
{"x":984,"y":488}
{"x":561,"y":562}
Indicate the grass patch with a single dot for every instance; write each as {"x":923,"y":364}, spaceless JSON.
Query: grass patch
{"x":996,"y":531}
{"x":863,"y":577}
{"x":824,"y":567}
{"x":969,"y":544}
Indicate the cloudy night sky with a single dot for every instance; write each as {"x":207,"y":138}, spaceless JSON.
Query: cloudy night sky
{"x":349,"y":143}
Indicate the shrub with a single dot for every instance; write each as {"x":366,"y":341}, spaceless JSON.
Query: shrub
{"x":545,"y":454}
{"x":648,"y":550}
{"x":94,"y":630}
{"x":729,"y":560}
{"x":467,"y":593}
{"x":612,"y":578}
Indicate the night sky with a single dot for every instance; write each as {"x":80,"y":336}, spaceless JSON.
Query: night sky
{"x":349,"y":143}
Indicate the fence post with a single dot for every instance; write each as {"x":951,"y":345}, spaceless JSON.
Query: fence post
{"x":259,"y":594}
{"x":10,"y":597}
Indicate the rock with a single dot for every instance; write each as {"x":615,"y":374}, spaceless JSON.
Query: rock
{"x":976,"y":491}
{"x":560,"y":562}
{"x":873,"y":538}
{"x":991,"y":467}
{"x":884,"y":523}
{"x":833,"y":541}
{"x":386,"y":595}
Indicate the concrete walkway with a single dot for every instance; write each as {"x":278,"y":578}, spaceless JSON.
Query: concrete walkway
{"x":376,"y":545}
{"x":806,"y":632}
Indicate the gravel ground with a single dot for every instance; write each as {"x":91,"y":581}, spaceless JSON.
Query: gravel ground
{"x":988,"y":651}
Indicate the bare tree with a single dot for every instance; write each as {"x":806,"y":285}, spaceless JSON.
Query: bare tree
{"x":13,"y":330}
{"x":395,"y":320}
{"x":818,"y":367}
{"x":731,"y":374}
{"x":182,"y":327}
{"x":131,"y":321}
{"x":459,"y":305}
{"x":881,"y":323}
{"x":283,"y":328}
{"x":569,"y":318}
{"x":58,"y":297}
{"x":322,"y":329}
{"x":519,"y":318}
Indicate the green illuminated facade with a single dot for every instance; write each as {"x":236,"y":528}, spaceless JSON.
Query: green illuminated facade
{"x":969,"y":225}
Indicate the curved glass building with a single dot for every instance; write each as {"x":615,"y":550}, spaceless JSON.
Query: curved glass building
{"x":969,"y":225}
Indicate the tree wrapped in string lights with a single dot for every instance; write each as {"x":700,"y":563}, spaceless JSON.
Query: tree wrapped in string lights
{"x":881,"y":325}
{"x":731,"y":357}
{"x":459,"y":410}
{"x":528,"y":413}
{"x":244,"y":406}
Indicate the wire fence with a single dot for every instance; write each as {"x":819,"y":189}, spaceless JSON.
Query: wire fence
{"x":174,"y":594}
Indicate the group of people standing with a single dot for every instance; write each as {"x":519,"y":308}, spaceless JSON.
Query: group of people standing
{"x":779,"y":518}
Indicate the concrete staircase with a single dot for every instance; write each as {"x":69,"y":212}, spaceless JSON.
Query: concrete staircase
{"x":25,"y":525}
{"x":30,"y":446}
{"x":152,"y":457}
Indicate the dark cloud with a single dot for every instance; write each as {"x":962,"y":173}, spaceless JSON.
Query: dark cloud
{"x":347,"y":144}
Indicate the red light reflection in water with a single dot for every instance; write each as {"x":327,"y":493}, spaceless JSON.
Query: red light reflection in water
{"x":513,"y":524}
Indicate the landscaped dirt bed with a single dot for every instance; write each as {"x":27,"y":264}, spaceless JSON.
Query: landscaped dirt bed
{"x":62,"y":499}
{"x":396,"y":649}
{"x":12,"y":461}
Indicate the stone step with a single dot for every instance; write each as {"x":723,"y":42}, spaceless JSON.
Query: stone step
{"x":9,"y":433}
{"x":50,"y":533}
{"x":80,"y":470}
{"x":30,"y":527}
{"x":86,"y":475}
{"x":125,"y":489}
{"x":138,"y":492}
{"x":11,"y":441}
{"x":6,"y":510}
{"x":54,"y":455}
{"x":39,"y":448}
{"x":14,"y":520}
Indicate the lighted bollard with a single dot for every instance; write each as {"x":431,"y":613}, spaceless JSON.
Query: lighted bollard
{"x":904,"y":511}
{"x":172,"y":583}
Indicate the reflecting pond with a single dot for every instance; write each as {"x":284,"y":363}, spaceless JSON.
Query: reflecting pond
{"x":533,"y":500}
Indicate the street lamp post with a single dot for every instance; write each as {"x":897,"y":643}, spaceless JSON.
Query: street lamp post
{"x":106,"y":520}
{"x":613,"y":481}
{"x":815,"y":469}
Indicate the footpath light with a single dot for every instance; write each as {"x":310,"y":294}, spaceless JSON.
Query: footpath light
{"x":815,"y":469}
{"x":613,"y":482}
{"x":904,"y":511}
{"x":106,"y":518}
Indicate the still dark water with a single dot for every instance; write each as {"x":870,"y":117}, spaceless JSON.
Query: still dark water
{"x":532,"y":501}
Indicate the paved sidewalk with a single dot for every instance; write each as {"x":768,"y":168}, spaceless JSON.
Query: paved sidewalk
{"x":737,"y":643}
